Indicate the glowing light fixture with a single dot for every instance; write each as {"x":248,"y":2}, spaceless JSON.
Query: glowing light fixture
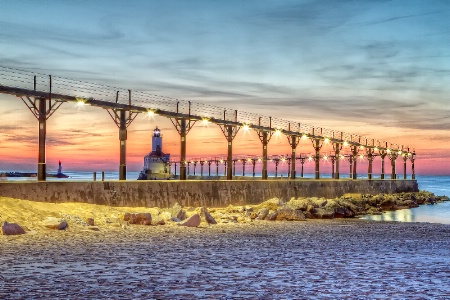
{"x":304,"y":136}
{"x":345,"y":143}
{"x":150,"y":113}
{"x":277,"y":132}
{"x":81,"y":102}
{"x":205,"y":121}
{"x":388,"y":151}
{"x":326,"y":140}
{"x":246,"y":127}
{"x":399,"y":152}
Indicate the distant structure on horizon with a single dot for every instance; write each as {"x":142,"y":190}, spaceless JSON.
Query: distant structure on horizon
{"x":156,"y":163}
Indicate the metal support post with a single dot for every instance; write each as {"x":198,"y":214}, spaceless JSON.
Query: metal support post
{"x":230,"y":151}
{"x":393,"y":157}
{"x":370,"y":159}
{"x":355,"y":159}
{"x":317,"y":143}
{"x":42,"y":117}
{"x":277,"y":161}
{"x":264,"y":159}
{"x":333,"y":160}
{"x":123,"y":145}
{"x":254,"y":165}
{"x":183,"y":133}
{"x":302,"y":161}
{"x":350,"y":160}
{"x":293,"y":141}
{"x":405,"y":158}
{"x":413,"y":158}
{"x":337,"y":151}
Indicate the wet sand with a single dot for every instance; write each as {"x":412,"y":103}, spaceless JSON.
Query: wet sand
{"x":327,"y":259}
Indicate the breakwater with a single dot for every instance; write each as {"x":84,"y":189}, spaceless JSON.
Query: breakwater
{"x":210,"y":193}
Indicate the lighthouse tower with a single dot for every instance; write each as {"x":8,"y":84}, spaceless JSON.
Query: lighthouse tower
{"x":156,"y":163}
{"x":157,"y":141}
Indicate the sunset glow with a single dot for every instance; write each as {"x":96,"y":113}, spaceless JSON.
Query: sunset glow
{"x":379,"y":70}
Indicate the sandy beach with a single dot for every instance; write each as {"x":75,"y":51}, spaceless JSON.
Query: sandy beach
{"x":327,"y":259}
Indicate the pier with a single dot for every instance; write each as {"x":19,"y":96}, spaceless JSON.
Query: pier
{"x":195,"y":193}
{"x":44,"y":94}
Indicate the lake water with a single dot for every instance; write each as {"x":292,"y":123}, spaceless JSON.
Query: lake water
{"x":437,"y":213}
{"x":439,"y":185}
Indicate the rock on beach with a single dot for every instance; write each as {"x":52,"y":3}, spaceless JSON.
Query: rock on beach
{"x":12,"y":229}
{"x":193,"y":221}
{"x":138,"y":218}
{"x":55,"y":223}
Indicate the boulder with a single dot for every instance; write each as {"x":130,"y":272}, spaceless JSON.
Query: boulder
{"x":310,"y":208}
{"x":308,"y":215}
{"x":55,"y":223}
{"x":207,"y":216}
{"x":411,"y":203}
{"x":289,"y":214}
{"x":12,"y":229}
{"x":262,"y":213}
{"x":339,"y":212}
{"x":193,"y":221}
{"x":388,"y":203}
{"x":272,"y":216}
{"x":301,"y":204}
{"x":177,"y":212}
{"x":322,"y":213}
{"x":90,"y":221}
{"x":138,"y":218}
{"x":165,"y":215}
{"x":271,"y":204}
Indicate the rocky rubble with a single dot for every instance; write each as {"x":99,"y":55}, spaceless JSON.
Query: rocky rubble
{"x":300,"y":209}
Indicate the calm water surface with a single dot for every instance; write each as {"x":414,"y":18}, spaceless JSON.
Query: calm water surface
{"x":437,"y":213}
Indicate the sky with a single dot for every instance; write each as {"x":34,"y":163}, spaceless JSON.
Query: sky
{"x":375,"y":68}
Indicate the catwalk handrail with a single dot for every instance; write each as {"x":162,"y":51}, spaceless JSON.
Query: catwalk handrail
{"x":18,"y":82}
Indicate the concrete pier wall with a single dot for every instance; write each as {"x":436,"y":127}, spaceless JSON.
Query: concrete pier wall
{"x":208,"y":193}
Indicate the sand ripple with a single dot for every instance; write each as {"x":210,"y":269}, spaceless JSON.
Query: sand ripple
{"x":331,"y":259}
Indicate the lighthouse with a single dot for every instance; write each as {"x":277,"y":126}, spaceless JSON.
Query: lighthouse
{"x":156,"y":163}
